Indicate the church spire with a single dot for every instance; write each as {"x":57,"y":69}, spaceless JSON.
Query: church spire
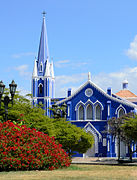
{"x":43,"y":53}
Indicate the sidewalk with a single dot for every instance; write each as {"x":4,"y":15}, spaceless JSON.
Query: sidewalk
{"x":102,"y":161}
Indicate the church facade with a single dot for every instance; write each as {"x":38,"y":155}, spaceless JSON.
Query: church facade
{"x":89,"y":107}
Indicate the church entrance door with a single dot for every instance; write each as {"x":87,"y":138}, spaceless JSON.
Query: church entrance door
{"x":90,"y":152}
{"x":122,"y":149}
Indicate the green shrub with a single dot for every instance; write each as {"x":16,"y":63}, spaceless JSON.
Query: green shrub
{"x":23,"y":148}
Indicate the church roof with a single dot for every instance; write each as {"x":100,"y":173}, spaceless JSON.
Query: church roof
{"x":126,"y":94}
{"x":120,"y":100}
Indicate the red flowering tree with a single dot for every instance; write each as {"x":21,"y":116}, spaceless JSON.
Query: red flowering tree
{"x":23,"y":148}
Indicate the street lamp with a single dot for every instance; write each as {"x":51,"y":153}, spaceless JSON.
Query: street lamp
{"x":64,"y":106}
{"x":59,"y":111}
{"x":12,"y":87}
{"x":56,"y":111}
{"x":6,"y":99}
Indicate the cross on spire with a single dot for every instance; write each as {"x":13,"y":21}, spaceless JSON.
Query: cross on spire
{"x":44,"y":13}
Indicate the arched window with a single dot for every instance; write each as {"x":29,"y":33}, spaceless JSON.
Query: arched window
{"x":121,"y":112}
{"x":40,"y":89}
{"x":81,"y":113}
{"x":98,"y":112}
{"x":89,"y":112}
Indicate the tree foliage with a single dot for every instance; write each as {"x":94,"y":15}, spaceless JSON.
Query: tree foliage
{"x":124,"y":128}
{"x":71,"y":137}
{"x":130,"y":127}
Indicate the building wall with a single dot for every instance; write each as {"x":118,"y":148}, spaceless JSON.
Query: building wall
{"x":105,"y":144}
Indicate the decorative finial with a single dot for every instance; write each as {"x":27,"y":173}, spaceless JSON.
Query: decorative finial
{"x":89,"y":76}
{"x":36,"y":58}
{"x":125,"y":84}
{"x":44,"y":13}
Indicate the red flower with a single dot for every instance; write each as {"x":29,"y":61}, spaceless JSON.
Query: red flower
{"x":27,"y":149}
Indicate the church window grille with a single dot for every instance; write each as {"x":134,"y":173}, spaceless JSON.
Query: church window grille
{"x":89,"y":112}
{"x":98,"y":112}
{"x":40,"y":89}
{"x":121,"y":112}
{"x":81,"y":113}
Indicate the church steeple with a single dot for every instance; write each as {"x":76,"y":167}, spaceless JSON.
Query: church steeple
{"x":43,"y":53}
{"x":43,"y":75}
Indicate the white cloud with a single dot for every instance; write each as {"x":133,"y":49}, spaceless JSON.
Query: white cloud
{"x":115,"y":79}
{"x":132,"y":51}
{"x":103,"y":80}
{"x":68,"y":63}
{"x":19,"y":55}
{"x":60,"y":64}
{"x":22,"y":91}
{"x":62,"y":83}
{"x":75,"y":78}
{"x":23,"y":71}
{"x":78,"y":64}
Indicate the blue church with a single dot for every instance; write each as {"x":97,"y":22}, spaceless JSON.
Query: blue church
{"x":89,"y":107}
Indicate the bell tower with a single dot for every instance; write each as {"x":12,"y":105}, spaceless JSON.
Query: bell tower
{"x":43,"y":80}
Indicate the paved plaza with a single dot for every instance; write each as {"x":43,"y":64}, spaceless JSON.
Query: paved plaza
{"x":102,"y":161}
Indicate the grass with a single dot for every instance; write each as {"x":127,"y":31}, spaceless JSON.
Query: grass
{"x":76,"y":172}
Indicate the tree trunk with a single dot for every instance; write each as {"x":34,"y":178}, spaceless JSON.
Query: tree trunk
{"x":118,"y":148}
{"x":130,"y":153}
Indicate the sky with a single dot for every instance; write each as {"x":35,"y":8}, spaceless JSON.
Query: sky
{"x":97,"y":36}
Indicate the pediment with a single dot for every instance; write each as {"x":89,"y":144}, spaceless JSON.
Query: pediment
{"x":90,"y":85}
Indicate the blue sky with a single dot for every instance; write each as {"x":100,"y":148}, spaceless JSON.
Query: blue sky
{"x":99,"y":36}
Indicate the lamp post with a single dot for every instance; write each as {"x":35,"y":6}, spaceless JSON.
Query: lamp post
{"x":6,"y":99}
{"x":56,"y":111}
{"x":59,"y":112}
{"x":64,"y":106}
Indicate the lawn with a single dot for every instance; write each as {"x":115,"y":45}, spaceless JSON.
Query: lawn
{"x":76,"y":172}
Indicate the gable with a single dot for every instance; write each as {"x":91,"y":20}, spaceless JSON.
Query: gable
{"x":95,"y":93}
